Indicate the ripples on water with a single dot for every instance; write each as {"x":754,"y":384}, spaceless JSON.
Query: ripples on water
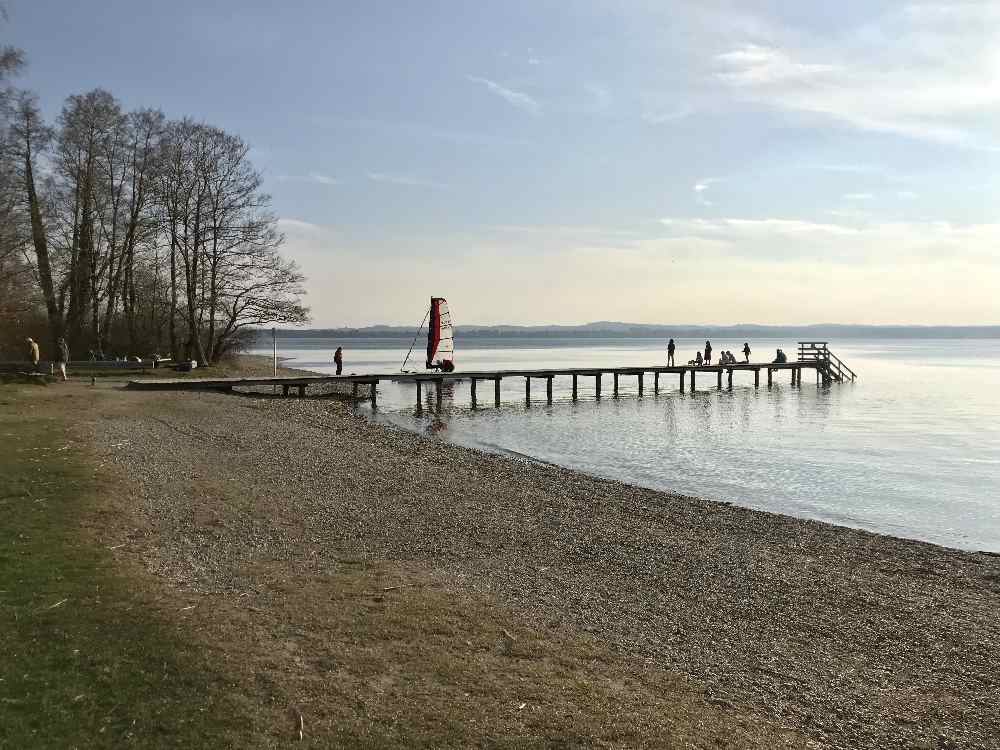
{"x":912,"y":449}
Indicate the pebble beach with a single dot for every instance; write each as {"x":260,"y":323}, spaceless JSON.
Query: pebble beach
{"x":857,"y":640}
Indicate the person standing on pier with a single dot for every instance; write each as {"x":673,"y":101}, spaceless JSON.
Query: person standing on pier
{"x":746,"y":351}
{"x":708,"y":353}
{"x":670,"y":353}
{"x":338,"y":359}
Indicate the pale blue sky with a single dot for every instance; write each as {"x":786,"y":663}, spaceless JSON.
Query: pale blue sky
{"x":695,"y":162}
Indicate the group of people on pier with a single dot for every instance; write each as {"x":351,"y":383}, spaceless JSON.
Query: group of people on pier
{"x":700,"y":360}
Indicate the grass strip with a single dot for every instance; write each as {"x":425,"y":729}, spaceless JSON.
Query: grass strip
{"x":84,"y":661}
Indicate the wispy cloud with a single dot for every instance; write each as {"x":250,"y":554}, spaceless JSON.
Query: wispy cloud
{"x":315,"y":177}
{"x":700,"y":189}
{"x":923,"y":70}
{"x":515,"y":98}
{"x":404,"y":180}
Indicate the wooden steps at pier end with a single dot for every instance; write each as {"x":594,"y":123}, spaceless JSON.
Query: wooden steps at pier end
{"x":814,"y":356}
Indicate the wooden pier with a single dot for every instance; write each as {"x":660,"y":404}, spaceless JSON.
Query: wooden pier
{"x":813,"y":356}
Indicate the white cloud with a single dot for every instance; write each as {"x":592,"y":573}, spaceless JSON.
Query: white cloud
{"x":928,"y":71}
{"x":701,"y":187}
{"x":514,"y":98}
{"x":315,"y":177}
{"x":404,"y":180}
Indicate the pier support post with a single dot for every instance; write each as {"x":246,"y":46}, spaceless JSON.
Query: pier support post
{"x":616,"y":385}
{"x":418,"y":393}
{"x":374,"y":394}
{"x":302,"y":391}
{"x":719,"y":379}
{"x":729,"y":373}
{"x":284,"y":390}
{"x":692,"y":381}
{"x":682,"y":381}
{"x":527,"y":390}
{"x":770,"y":377}
{"x":641,"y":378}
{"x":354,"y":390}
{"x":439,"y":385}
{"x":656,"y":383}
{"x":548,"y":389}
{"x":793,"y":377}
{"x":574,"y":387}
{"x":597,"y":386}
{"x":496,"y":392}
{"x":472,"y":392}
{"x":756,"y":378}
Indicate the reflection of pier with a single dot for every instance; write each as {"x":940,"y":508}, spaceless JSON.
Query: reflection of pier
{"x":814,"y":356}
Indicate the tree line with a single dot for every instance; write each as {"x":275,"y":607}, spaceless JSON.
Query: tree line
{"x":130,"y":233}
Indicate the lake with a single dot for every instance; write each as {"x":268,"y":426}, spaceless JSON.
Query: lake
{"x":912,"y":449}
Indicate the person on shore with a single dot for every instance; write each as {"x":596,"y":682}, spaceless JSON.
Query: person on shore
{"x":708,"y":353}
{"x":338,"y":359}
{"x":746,"y":351}
{"x":32,"y":353}
{"x":670,"y":353}
{"x":62,"y":357}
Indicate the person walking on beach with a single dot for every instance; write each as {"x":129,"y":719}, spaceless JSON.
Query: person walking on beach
{"x":670,"y":353}
{"x":62,"y":357}
{"x":32,"y":353}
{"x":338,"y":359}
{"x":708,"y":353}
{"x":746,"y":351}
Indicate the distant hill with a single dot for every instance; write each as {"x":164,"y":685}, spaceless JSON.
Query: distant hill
{"x":602,"y":329}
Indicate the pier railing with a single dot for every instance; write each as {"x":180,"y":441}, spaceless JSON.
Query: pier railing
{"x":833,"y":366}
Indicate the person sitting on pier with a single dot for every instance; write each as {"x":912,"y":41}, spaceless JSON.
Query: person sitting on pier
{"x":781,"y":358}
{"x":708,"y":353}
{"x":670,"y":353}
{"x":697,"y":361}
{"x":746,"y":351}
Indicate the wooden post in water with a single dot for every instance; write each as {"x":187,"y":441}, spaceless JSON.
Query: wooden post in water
{"x":692,"y":381}
{"x":548,"y":389}
{"x":641,"y":377}
{"x":439,"y":385}
{"x":719,"y":385}
{"x":418,"y":393}
{"x":284,"y":390}
{"x":597,"y":386}
{"x":374,"y":394}
{"x":496,"y":392}
{"x":756,"y":378}
{"x":682,"y":381}
{"x":656,"y":382}
{"x":616,"y":385}
{"x":527,"y":390}
{"x":574,"y":386}
{"x":729,"y":372}
{"x":472,"y":392}
{"x":770,"y":377}
{"x":302,"y":391}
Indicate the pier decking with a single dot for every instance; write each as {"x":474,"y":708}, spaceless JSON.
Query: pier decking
{"x":827,"y":367}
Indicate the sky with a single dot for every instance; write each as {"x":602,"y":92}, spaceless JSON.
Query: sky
{"x":565,"y":161}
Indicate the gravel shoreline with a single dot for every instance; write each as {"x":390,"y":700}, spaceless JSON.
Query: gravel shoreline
{"x":855,"y":639}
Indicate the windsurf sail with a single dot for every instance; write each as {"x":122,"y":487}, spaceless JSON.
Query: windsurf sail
{"x":440,"y":337}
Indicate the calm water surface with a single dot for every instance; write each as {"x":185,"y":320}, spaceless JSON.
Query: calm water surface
{"x":912,"y":449}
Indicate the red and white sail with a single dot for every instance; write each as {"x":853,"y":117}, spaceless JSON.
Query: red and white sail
{"x":440,"y":336}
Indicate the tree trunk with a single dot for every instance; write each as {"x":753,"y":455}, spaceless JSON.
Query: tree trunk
{"x":41,"y":244}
